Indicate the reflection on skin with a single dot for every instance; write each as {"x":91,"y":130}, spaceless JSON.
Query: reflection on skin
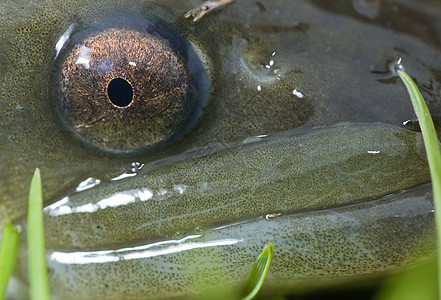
{"x":64,"y":37}
{"x":301,"y":126}
{"x":368,"y":8}
{"x":140,"y":252}
{"x":64,"y":206}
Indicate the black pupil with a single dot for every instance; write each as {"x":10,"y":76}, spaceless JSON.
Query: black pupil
{"x":120,"y":92}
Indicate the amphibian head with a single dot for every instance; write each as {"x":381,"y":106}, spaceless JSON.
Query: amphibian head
{"x":163,"y":143}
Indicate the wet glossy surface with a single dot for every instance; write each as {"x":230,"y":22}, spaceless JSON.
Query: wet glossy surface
{"x":302,"y":123}
{"x":163,"y":85}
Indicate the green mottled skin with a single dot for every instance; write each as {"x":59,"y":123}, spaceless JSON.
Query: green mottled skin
{"x":320,"y":177}
{"x":210,"y":197}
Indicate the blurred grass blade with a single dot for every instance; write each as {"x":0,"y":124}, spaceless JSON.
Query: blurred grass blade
{"x":8,"y":254}
{"x":38,"y":280}
{"x":433,"y":153}
{"x":259,"y":271}
{"x":420,"y":282}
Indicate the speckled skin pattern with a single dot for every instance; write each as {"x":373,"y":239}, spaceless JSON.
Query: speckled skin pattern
{"x":350,"y":184}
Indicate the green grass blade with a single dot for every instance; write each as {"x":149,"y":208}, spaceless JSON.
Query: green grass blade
{"x":8,"y":254}
{"x":38,"y":280}
{"x":259,"y":271}
{"x":433,"y":153}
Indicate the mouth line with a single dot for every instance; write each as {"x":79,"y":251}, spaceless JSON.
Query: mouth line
{"x":346,"y":216}
{"x":279,"y":174}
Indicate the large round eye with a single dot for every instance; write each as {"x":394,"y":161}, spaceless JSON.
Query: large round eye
{"x":132,"y":87}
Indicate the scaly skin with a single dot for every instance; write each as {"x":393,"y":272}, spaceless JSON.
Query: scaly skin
{"x":321,"y":177}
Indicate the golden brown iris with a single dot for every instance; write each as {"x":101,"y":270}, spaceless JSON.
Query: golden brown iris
{"x":128,"y":89}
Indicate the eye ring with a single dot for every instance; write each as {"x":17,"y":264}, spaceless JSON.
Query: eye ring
{"x":131,"y":87}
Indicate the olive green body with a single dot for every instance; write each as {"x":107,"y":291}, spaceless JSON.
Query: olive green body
{"x":298,"y":145}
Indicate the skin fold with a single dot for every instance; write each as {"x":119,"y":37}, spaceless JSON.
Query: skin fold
{"x":307,"y":141}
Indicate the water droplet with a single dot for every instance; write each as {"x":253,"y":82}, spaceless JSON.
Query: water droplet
{"x":265,"y":68}
{"x":87,"y":184}
{"x":398,"y":66}
{"x":131,"y":171}
{"x":259,"y":88}
{"x":413,"y":125}
{"x":387,"y":71}
{"x":179,"y":234}
{"x":373,"y":152}
{"x":297,"y":93}
{"x":199,"y":230}
{"x":136,"y":166}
